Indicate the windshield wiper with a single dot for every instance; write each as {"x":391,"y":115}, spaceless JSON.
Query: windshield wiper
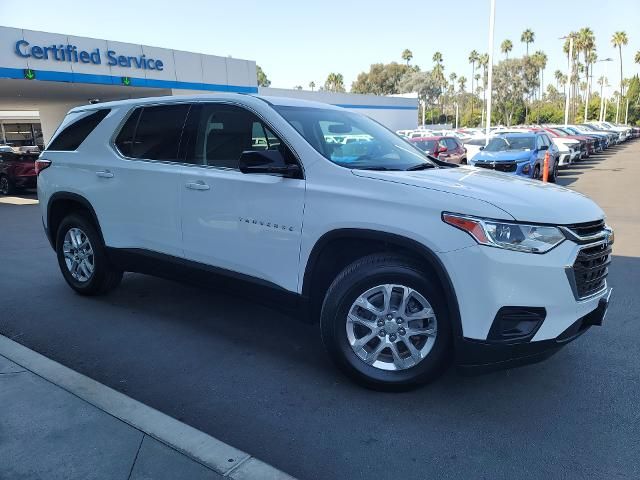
{"x":378,"y":169}
{"x":420,"y":166}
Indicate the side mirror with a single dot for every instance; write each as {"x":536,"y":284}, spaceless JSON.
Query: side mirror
{"x":267,"y":161}
{"x":544,"y":147}
{"x":482,"y":147}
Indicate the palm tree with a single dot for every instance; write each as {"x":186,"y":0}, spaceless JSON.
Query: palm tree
{"x":462,"y":83}
{"x":474,"y":56}
{"x":541,"y":63}
{"x":618,"y":40}
{"x":557,"y":75}
{"x":452,"y":79}
{"x":637,"y":57}
{"x":407,"y":55}
{"x":585,"y":42}
{"x":312,"y":85}
{"x":505,"y":47}
{"x":334,"y":82}
{"x":528,"y":37}
{"x":438,"y":71}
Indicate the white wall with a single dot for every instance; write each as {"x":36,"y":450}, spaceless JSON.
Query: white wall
{"x":51,"y":115}
{"x":393,"y":112}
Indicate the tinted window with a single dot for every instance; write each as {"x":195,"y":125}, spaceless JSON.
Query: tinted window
{"x":217,"y":134}
{"x":74,"y":134}
{"x":539,"y":142}
{"x":426,"y":145}
{"x":124,"y":141}
{"x":157,"y":135}
{"x":451,"y":143}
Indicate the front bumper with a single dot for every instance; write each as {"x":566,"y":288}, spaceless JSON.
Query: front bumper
{"x":474,"y":356}
{"x":487,"y":279}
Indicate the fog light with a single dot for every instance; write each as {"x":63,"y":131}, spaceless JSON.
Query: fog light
{"x":516,"y":324}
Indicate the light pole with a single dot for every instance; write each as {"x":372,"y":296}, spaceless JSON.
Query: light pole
{"x":586,"y":94}
{"x":626,"y":115}
{"x":569,"y":77}
{"x":492,"y":17}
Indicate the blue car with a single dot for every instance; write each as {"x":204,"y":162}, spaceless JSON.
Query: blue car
{"x":519,"y":153}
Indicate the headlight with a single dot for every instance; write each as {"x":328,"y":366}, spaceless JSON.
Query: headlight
{"x":512,"y":236}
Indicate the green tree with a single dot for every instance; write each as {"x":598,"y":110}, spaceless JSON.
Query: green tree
{"x":462,"y":83}
{"x":263,"y":81}
{"x":484,"y":63}
{"x":334,"y":82}
{"x":381,"y":79}
{"x":637,"y":57}
{"x":505,"y":47}
{"x":425,"y":85}
{"x":407,"y":55}
{"x":509,"y":89}
{"x":312,"y":85}
{"x":585,"y":43}
{"x":557,"y":75}
{"x":619,"y":39}
{"x":528,"y":37}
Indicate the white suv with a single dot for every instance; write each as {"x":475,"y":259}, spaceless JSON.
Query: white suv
{"x":408,"y":263}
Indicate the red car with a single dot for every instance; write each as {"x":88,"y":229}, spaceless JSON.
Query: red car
{"x":447,"y":149}
{"x":16,"y":171}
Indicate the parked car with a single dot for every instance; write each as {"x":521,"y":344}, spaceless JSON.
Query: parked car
{"x":602,"y":139}
{"x":474,"y":145}
{"x":587,"y":144}
{"x":405,"y":263}
{"x":447,"y":149}
{"x":569,"y":148}
{"x":17,"y":171}
{"x":624,"y":131}
{"x":519,"y":153}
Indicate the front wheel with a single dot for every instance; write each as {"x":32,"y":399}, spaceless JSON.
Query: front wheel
{"x":82,"y":257}
{"x":385,"y":324}
{"x":536,"y":172}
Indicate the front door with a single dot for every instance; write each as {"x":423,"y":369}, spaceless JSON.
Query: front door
{"x":245,"y":223}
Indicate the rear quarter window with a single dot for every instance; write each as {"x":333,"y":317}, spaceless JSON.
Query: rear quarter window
{"x":72,"y":136}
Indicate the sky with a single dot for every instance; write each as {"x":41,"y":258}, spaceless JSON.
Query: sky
{"x":296,"y":42}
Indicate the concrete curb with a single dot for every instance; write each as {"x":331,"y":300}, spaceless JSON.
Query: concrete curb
{"x":205,"y":449}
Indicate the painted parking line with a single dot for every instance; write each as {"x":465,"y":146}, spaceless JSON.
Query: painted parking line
{"x":18,"y":201}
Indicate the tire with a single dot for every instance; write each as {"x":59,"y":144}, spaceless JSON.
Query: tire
{"x":102,"y":278}
{"x":463,"y":161}
{"x":553,"y":175}
{"x":6,"y":186}
{"x":536,"y":172}
{"x":373,"y":273}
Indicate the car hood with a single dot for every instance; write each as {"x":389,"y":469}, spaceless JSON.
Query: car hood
{"x":525,"y":200}
{"x":517,"y":155}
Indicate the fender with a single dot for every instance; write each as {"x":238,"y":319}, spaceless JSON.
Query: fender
{"x":421,"y":250}
{"x":75,"y":198}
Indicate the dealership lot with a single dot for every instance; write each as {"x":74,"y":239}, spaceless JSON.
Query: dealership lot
{"x":261,"y":381}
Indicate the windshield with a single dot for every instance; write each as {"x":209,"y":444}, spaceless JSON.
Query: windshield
{"x":428,"y":146}
{"x":504,"y":144}
{"x":353,"y":141}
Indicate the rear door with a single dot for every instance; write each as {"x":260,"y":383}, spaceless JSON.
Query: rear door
{"x":135,"y":194}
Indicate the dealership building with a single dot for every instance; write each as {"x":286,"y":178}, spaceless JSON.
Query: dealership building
{"x":43,"y":75}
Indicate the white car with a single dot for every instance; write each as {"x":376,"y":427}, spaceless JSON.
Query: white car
{"x":406,"y":263}
{"x":569,"y":150}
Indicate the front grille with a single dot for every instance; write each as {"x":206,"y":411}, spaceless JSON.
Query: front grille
{"x":590,"y":269}
{"x":586,"y":229}
{"x":498,"y":166}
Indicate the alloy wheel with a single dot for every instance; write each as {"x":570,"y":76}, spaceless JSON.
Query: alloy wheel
{"x":78,"y":255}
{"x":391,"y":327}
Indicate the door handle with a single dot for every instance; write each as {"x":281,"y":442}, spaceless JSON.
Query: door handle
{"x":199,"y":185}
{"x":104,"y":174}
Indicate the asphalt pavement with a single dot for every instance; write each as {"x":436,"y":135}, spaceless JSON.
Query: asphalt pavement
{"x":260,"y":381}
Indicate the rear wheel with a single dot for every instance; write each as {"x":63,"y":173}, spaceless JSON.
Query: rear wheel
{"x":6,"y":186}
{"x":82,"y":258}
{"x":385,"y":323}
{"x":536,"y":172}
